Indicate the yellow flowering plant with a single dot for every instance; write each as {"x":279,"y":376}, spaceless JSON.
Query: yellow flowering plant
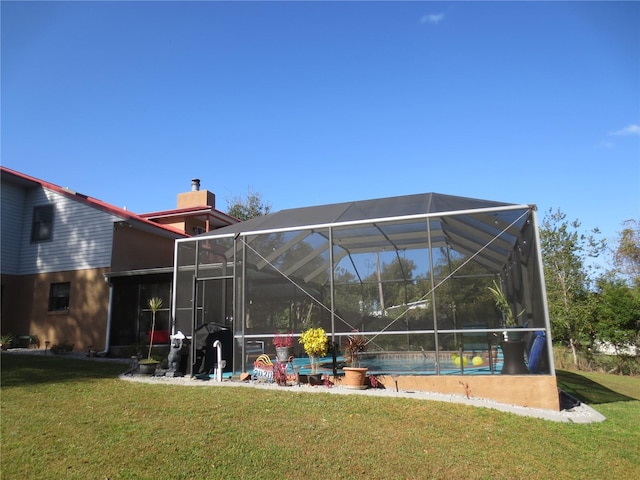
{"x":315,"y":343}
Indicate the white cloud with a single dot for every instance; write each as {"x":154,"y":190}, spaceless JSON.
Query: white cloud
{"x":629,"y":130}
{"x":432,"y":18}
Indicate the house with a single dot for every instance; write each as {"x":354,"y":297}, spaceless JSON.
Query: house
{"x":79,"y":271}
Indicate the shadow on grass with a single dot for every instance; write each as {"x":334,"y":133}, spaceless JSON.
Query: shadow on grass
{"x":587,"y":390}
{"x":21,"y":370}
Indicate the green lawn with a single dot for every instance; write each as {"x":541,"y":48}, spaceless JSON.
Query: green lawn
{"x":63,"y":419}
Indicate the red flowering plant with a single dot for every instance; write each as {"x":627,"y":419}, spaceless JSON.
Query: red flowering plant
{"x":356,"y":344}
{"x":283,"y":340}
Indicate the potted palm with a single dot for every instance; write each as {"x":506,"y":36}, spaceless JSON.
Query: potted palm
{"x":316,"y":344}
{"x":5,"y":341}
{"x":149,"y":364}
{"x":512,"y":343}
{"x":354,"y":375}
{"x":509,"y":318}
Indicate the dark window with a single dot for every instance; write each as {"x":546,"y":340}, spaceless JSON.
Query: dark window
{"x":59,"y":297}
{"x":42,"y":226}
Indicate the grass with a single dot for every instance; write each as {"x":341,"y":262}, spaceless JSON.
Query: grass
{"x":66,"y":418}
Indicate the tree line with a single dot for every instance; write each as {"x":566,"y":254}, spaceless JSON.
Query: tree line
{"x":592,"y":307}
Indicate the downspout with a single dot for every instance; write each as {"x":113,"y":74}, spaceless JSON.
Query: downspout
{"x":109,"y":314}
{"x":174,"y":289}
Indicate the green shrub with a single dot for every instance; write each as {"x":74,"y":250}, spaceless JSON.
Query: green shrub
{"x":596,"y":362}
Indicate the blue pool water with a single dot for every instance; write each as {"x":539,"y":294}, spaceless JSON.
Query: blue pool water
{"x":386,"y":366}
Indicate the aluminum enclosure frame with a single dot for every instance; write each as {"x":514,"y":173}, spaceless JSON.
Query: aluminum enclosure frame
{"x":304,"y":255}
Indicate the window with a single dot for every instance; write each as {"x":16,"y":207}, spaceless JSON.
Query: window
{"x":59,"y":297}
{"x":42,"y":226}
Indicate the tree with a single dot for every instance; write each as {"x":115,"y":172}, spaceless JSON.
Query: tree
{"x":617,"y":298}
{"x":389,"y":285}
{"x":618,"y":317}
{"x":626,"y":256}
{"x":247,"y":208}
{"x":465,"y":293}
{"x":568,"y":278}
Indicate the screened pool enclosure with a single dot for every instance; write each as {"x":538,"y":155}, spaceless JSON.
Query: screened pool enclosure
{"x":411,"y":274}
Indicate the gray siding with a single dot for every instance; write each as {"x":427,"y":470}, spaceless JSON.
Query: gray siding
{"x":12,"y":201}
{"x":82,"y":235}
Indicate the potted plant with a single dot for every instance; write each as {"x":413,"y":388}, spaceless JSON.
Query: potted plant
{"x":354,"y":375}
{"x":5,"y":341}
{"x":285,"y":374}
{"x":148,"y":365}
{"x":512,"y":343}
{"x":509,"y":318}
{"x":316,"y":344}
{"x":283,"y":344}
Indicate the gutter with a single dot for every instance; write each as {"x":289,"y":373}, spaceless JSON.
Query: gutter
{"x":107,"y":340}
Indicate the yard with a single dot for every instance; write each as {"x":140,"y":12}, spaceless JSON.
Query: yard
{"x":69,"y":418}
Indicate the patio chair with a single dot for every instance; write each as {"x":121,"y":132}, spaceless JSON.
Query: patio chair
{"x":253,"y":348}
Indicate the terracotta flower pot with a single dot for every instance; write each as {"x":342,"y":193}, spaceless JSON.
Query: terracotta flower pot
{"x":354,"y":377}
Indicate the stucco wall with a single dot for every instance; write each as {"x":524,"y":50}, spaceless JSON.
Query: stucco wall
{"x":137,"y":249}
{"x":25,"y":310}
{"x":197,"y":198}
{"x":16,"y":304}
{"x":535,"y":391}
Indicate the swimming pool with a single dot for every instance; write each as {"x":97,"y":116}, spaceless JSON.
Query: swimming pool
{"x":408,"y":363}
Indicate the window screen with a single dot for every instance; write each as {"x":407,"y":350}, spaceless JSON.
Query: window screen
{"x":42,"y":226}
{"x":59,"y":297}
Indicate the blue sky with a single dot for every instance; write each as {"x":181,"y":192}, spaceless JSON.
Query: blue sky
{"x":310,"y":103}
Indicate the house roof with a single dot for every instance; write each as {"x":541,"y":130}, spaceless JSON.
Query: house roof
{"x":28,"y":181}
{"x":204,"y":212}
